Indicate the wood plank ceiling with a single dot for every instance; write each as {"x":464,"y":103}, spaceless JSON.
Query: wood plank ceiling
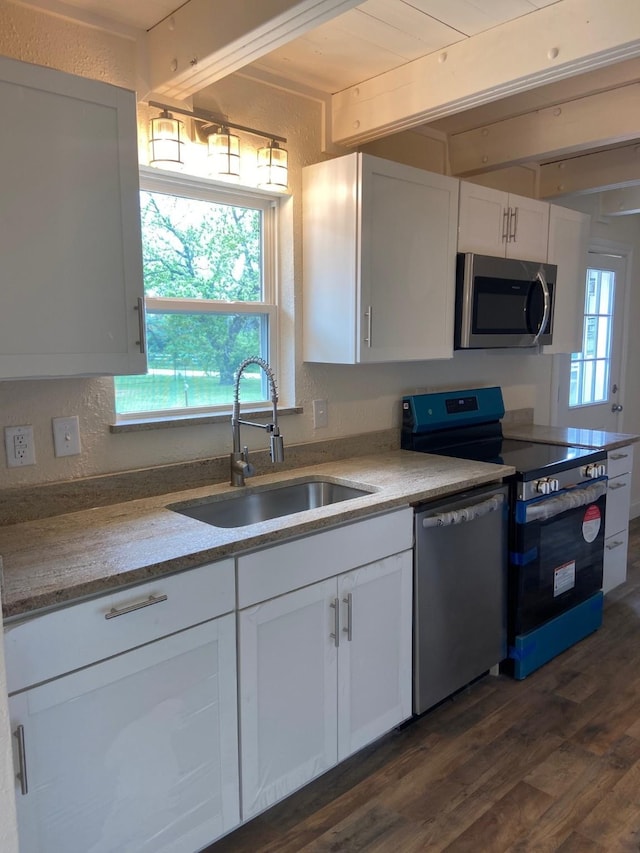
{"x":552,"y":84}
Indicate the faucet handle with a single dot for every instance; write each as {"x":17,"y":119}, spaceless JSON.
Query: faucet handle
{"x":249,"y":470}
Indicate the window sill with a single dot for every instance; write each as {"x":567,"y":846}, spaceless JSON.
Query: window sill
{"x":168,"y":422}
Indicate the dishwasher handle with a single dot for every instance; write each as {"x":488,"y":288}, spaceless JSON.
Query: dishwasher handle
{"x":465,"y":513}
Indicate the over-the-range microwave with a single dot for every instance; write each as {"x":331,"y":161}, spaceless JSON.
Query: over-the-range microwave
{"x":503,"y":302}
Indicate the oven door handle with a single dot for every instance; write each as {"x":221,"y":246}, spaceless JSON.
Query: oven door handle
{"x":546,"y":310}
{"x":465,"y":513}
{"x":571,"y":499}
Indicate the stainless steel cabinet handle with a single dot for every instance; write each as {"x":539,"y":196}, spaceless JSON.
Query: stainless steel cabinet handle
{"x":514,"y":230}
{"x":120,"y":611}
{"x":22,"y":761}
{"x":335,"y":604}
{"x":614,"y":486}
{"x":617,"y":456}
{"x":505,"y":225}
{"x":348,"y":629}
{"x":612,"y":545}
{"x":142,"y":325}
{"x":368,"y":314}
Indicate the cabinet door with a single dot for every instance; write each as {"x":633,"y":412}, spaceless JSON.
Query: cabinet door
{"x":288,"y":705}
{"x":483,"y":220}
{"x":374,"y":660}
{"x":528,"y":229}
{"x":408,"y":221}
{"x":568,"y":247}
{"x":618,"y":504}
{"x":70,"y":236}
{"x":136,"y":754}
{"x":616,"y":530}
{"x":614,"y":570}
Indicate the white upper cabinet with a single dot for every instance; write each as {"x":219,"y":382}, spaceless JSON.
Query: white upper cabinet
{"x":70,"y":226}
{"x":568,"y":249}
{"x":492,"y":222}
{"x":379,"y":245}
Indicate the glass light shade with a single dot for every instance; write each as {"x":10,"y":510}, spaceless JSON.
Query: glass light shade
{"x":166,"y":141}
{"x":272,"y":167}
{"x":224,"y":155}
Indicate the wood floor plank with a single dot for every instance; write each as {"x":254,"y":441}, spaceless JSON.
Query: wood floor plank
{"x":550,"y":764}
{"x":597,"y":778}
{"x":576,"y":843}
{"x":500,"y":827}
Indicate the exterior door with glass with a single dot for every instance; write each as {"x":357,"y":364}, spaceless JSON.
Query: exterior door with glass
{"x":589,"y":384}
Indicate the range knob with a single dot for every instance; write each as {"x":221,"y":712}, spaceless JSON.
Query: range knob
{"x":594,"y":470}
{"x":547,"y":485}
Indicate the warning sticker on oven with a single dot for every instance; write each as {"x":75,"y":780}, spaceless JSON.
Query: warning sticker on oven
{"x":591,"y":523}
{"x":564,"y":578}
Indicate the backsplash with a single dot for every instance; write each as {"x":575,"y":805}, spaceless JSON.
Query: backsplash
{"x":43,"y":501}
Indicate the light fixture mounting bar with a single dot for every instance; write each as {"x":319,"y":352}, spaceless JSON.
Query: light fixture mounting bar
{"x":210,"y":118}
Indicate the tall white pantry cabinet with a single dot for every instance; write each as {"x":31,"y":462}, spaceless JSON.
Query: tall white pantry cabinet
{"x":71,"y":280}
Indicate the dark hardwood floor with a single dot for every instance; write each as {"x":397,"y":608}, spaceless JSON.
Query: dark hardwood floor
{"x":551,"y":763}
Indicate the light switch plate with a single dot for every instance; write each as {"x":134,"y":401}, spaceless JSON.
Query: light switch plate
{"x":66,"y":436}
{"x":320,"y":413}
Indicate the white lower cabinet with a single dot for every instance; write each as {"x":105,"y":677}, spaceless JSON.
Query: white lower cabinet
{"x":324,"y":670}
{"x":136,"y":753}
{"x":620,"y":465}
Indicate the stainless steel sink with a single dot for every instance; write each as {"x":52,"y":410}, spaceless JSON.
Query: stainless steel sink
{"x":238,"y":509}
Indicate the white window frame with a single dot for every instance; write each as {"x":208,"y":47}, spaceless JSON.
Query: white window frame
{"x":203,"y":189}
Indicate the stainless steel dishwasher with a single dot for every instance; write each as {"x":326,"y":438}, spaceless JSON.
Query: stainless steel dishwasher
{"x":460,"y":592}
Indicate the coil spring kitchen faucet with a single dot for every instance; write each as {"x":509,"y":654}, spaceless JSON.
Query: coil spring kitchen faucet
{"x":240,"y":465}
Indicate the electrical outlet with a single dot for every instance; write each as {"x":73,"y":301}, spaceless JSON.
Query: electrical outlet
{"x":18,"y":442}
{"x":66,"y":436}
{"x":320,"y":413}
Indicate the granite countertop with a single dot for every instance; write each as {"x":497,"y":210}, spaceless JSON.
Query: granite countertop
{"x":54,"y":561}
{"x":569,"y":436}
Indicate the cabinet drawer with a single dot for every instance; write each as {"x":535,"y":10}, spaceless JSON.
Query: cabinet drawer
{"x":282,"y":568}
{"x":618,"y":502}
{"x":620,"y":461}
{"x":49,"y":645}
{"x":615,"y":560}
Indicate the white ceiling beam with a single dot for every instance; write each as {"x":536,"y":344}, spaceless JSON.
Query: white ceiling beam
{"x":205,"y":40}
{"x":602,"y":170}
{"x":569,"y":89}
{"x":597,"y":121}
{"x":620,"y":202}
{"x":558,"y":41}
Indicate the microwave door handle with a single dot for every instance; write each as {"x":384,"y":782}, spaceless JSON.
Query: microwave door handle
{"x":547,"y":305}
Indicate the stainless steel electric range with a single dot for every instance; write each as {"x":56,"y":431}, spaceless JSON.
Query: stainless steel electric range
{"x":556,"y":519}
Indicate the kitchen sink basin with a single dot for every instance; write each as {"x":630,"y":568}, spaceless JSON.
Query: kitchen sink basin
{"x":238,"y":509}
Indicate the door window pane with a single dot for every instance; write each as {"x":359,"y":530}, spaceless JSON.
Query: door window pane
{"x":590,"y":368}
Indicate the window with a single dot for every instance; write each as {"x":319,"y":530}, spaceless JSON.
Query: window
{"x":590,"y":368}
{"x":208,"y":262}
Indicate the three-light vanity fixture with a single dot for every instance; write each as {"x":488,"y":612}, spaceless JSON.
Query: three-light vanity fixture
{"x":168,"y":142}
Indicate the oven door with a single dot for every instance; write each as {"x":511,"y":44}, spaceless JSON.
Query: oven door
{"x":556,"y":555}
